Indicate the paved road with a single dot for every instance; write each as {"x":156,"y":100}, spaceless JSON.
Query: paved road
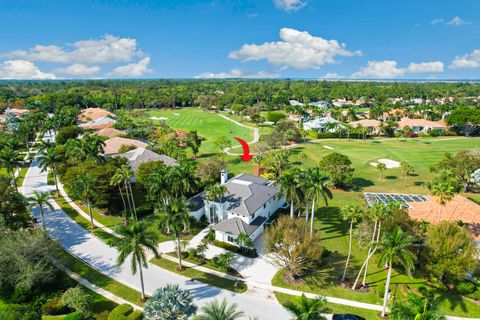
{"x":93,"y":251}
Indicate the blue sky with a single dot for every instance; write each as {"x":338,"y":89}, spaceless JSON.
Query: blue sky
{"x":357,"y":39}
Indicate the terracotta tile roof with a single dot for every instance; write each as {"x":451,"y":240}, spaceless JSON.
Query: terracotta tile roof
{"x":366,"y":123}
{"x":17,"y":111}
{"x":99,"y":126}
{"x":109,"y":132}
{"x":459,"y":209}
{"x":113,"y":145}
{"x":94,"y":114}
{"x":405,"y":121}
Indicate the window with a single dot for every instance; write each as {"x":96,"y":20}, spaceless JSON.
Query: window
{"x":264,"y":205}
{"x":253,"y":215}
{"x":229,"y":239}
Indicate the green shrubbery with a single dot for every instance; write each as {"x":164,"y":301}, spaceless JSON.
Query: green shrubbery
{"x":125,"y":312}
{"x":75,"y":316}
{"x":465,"y":287}
{"x":275,"y":116}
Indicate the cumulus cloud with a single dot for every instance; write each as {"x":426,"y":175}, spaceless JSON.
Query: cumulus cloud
{"x":104,"y":50}
{"x":236,"y":73}
{"x":331,"y":75}
{"x":437,"y":21}
{"x":290,"y":5}
{"x":136,"y":69}
{"x":78,"y":69}
{"x":388,"y":69}
{"x":23,"y":70}
{"x":467,"y":61}
{"x":296,"y":49}
{"x":425,"y":67}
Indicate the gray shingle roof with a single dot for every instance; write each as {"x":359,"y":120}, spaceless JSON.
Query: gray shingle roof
{"x":141,"y":155}
{"x":247,"y":194}
{"x":236,"y":226}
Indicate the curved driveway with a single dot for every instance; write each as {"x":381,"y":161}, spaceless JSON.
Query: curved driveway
{"x":96,"y":253}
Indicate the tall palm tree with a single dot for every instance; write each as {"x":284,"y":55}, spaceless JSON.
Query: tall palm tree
{"x":176,"y":218}
{"x":407,"y":170}
{"x":318,"y":189}
{"x":381,"y":167}
{"x":85,"y":187}
{"x":444,"y":187}
{"x":9,"y":160}
{"x":49,"y":158}
{"x":40,"y":199}
{"x":158,"y":187}
{"x":288,"y":187}
{"x":307,"y":309}
{"x":351,"y":212}
{"x":123,"y":174}
{"x":117,"y":181}
{"x":135,"y":238}
{"x":279,"y":162}
{"x":216,"y":191}
{"x":219,"y":311}
{"x":181,"y":179}
{"x":394,"y":249}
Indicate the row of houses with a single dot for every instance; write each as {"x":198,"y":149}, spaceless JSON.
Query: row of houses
{"x":328,"y":124}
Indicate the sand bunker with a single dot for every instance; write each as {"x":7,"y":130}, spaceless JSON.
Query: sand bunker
{"x":158,"y":118}
{"x":387,"y":162}
{"x":327,"y":147}
{"x":177,"y":114}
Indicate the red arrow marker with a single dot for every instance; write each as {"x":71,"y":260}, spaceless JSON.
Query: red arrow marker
{"x":246,"y":156}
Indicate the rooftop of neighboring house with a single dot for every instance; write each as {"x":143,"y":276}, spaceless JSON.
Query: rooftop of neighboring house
{"x":17,"y":111}
{"x":113,"y":145}
{"x":141,"y":155}
{"x":366,"y":123}
{"x":110,"y":132}
{"x":246,"y":194}
{"x":100,"y":123}
{"x":318,"y":121}
{"x":405,"y":121}
{"x":458,"y":209}
{"x":90,"y":114}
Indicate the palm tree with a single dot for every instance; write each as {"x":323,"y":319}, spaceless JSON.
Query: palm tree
{"x":279,"y":162}
{"x":418,"y":307}
{"x":394,"y":248}
{"x":317,"y":190}
{"x":307,"y":309}
{"x":85,"y":187}
{"x":288,"y":187}
{"x":176,"y":219}
{"x":219,"y":311}
{"x":40,"y":199}
{"x":9,"y":160}
{"x":381,"y":167}
{"x":49,"y":158}
{"x":123,"y":175}
{"x":133,"y":240}
{"x":444,"y":187}
{"x":216,"y":191}
{"x":407,"y":169}
{"x":351,"y":212}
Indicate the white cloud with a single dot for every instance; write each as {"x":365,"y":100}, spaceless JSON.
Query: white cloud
{"x":388,"y":69}
{"x":437,"y":21}
{"x":469,"y":61}
{"x":22,"y":70}
{"x":236,"y":73}
{"x":136,"y":69}
{"x":425,"y":67}
{"x":456,"y":21}
{"x":78,"y":69}
{"x":331,"y":75}
{"x":290,"y":5}
{"x":297,"y":49}
{"x":104,"y":50}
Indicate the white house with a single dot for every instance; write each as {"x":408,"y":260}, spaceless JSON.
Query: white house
{"x":326,"y":124}
{"x":249,"y":202}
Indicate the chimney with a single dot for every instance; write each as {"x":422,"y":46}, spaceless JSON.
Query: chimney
{"x":223,"y":176}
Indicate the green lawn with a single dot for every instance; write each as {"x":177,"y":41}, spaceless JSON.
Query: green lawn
{"x":99,"y":279}
{"x":209,"y":125}
{"x":334,"y":308}
{"x":201,"y":276}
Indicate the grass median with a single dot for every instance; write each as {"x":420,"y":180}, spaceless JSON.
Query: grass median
{"x":201,"y":276}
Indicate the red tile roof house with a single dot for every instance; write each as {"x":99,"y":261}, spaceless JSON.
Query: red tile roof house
{"x":93,"y":114}
{"x":113,"y":145}
{"x":421,"y":125}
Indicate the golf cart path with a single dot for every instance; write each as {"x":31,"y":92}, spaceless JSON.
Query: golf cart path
{"x":256,"y":135}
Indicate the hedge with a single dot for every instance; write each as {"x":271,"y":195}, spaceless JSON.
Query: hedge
{"x":125,"y":312}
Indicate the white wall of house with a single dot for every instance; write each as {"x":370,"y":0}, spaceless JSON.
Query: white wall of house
{"x":225,"y":237}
